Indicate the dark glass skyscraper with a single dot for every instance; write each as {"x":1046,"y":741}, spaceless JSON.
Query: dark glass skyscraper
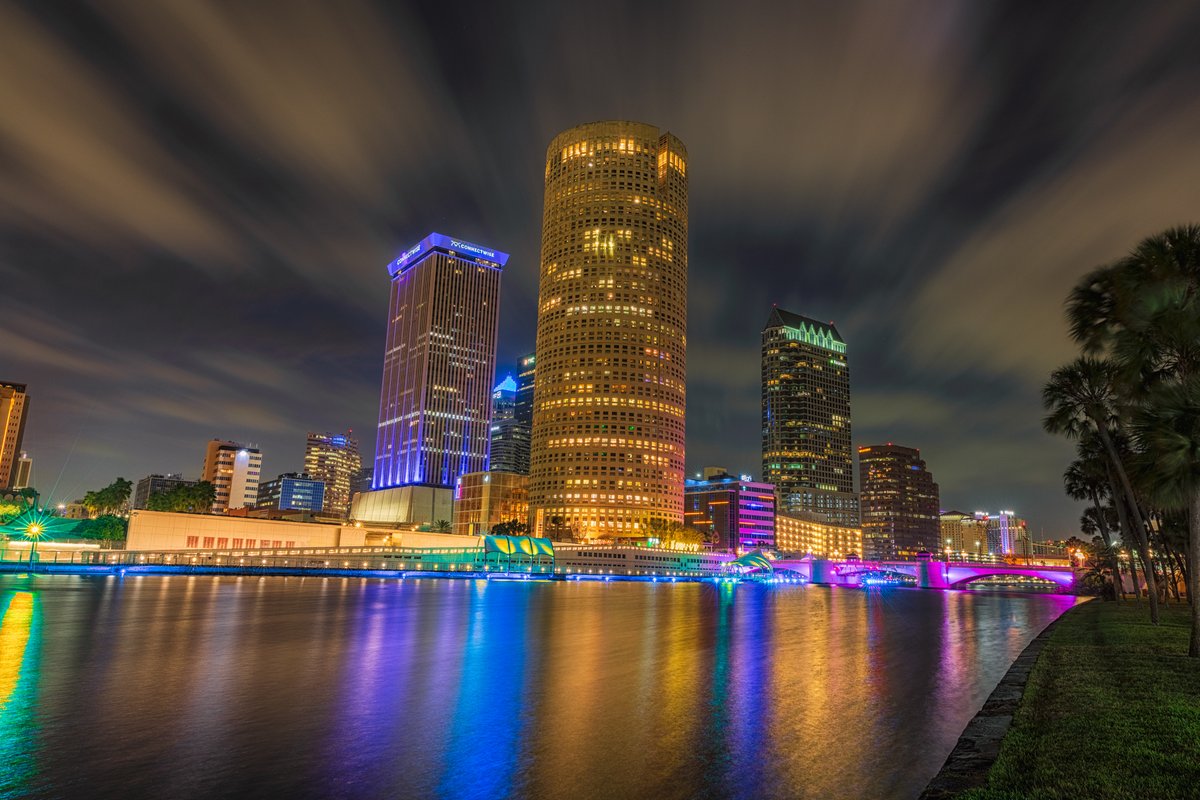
{"x":435,"y":405}
{"x":806,"y":450}
{"x":900,"y":503}
{"x":510,"y":440}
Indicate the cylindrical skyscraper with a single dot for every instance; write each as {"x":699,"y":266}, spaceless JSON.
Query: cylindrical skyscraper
{"x":608,"y":420}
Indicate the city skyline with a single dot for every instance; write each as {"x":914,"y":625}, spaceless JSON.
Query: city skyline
{"x":941,"y":249}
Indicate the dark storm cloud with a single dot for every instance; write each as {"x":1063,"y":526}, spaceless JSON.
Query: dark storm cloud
{"x":197,"y":199}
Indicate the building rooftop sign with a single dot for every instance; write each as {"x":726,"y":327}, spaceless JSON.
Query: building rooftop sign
{"x":446,"y":244}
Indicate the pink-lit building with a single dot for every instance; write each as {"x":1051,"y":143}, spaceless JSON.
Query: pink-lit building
{"x":734,"y":512}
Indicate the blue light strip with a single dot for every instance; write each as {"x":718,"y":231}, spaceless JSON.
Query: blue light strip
{"x":450,"y":245}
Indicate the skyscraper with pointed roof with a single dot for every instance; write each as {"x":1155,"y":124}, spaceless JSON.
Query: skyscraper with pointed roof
{"x":806,"y":447}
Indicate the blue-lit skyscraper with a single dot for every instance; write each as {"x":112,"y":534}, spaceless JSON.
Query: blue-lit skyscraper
{"x":435,"y":405}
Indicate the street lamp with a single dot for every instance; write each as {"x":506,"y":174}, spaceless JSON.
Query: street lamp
{"x":33,"y":532}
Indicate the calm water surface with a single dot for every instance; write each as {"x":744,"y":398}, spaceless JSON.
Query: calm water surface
{"x":180,"y":687}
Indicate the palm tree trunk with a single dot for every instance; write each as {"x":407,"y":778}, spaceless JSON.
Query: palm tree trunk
{"x":1139,"y":524}
{"x":1114,"y":562}
{"x":1169,"y":575}
{"x":1127,"y":537}
{"x":1194,"y":577}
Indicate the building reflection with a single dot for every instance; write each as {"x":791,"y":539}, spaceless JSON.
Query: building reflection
{"x":19,"y":734}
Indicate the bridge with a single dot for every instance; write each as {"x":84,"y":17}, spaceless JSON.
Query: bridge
{"x":928,"y":574}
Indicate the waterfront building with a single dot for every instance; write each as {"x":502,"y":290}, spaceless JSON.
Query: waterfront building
{"x":510,"y":440}
{"x":435,"y":403}
{"x":806,"y":448}
{"x":483,"y":500}
{"x":733,"y":512}
{"x":14,"y":408}
{"x":233,"y":469}
{"x":607,"y":453}
{"x":290,"y":491}
{"x":333,"y":459}
{"x":806,"y":533}
{"x":151,"y":485}
{"x":900,"y":512}
{"x":23,"y":472}
{"x":404,"y":506}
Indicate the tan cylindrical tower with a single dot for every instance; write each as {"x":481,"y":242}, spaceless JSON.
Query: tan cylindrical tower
{"x":608,"y":417}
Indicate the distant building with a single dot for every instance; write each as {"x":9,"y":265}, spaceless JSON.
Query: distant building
{"x":806,"y":450}
{"x":23,"y":474}
{"x":807,"y":533}
{"x":733,"y":512}
{"x":151,"y":485}
{"x":900,"y":511}
{"x":482,"y":500}
{"x":985,"y":533}
{"x":292,"y":491}
{"x":510,"y":439}
{"x":1004,"y":532}
{"x":333,"y":459}
{"x":233,"y":470}
{"x":14,"y":408}
{"x":362,"y":481}
{"x":526,"y":376}
{"x":963,"y":534}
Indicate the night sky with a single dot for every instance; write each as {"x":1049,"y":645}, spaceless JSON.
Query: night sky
{"x":198,"y":202}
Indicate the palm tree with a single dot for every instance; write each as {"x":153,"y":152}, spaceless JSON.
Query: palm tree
{"x":1086,"y":480}
{"x":1168,"y":427}
{"x":1081,"y":399}
{"x":1144,"y":313}
{"x":441,"y":526}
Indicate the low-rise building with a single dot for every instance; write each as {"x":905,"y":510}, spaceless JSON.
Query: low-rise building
{"x":803,"y":534}
{"x":296,"y":491}
{"x":483,"y":500}
{"x":151,"y":485}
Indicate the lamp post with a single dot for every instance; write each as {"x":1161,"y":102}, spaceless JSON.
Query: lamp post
{"x":33,"y":532}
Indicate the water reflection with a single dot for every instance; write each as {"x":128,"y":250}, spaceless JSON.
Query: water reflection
{"x":188,"y":686}
{"x":19,"y":639}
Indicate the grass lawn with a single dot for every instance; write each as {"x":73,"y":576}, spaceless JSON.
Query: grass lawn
{"x":1111,"y":710}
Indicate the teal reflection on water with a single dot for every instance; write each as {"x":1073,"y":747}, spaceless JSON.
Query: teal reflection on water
{"x":20,"y":638}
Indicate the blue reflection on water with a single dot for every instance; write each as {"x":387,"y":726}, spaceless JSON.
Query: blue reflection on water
{"x":485,"y":737}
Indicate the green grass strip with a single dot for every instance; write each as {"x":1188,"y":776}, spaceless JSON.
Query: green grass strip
{"x":1111,"y":711}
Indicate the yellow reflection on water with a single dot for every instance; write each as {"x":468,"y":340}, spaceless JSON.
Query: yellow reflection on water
{"x":15,"y":629}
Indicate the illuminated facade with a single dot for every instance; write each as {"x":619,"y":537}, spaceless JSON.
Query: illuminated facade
{"x":607,"y":451}
{"x":435,"y":405}
{"x":963,"y":534}
{"x":333,"y":459}
{"x":485,"y":499}
{"x":14,"y":405}
{"x":734,"y":513}
{"x":233,"y":470}
{"x":806,"y":450}
{"x":292,"y":491}
{"x":900,"y":512}
{"x":808,"y":534}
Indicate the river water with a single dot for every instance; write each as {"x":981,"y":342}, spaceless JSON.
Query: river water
{"x":249,"y":687}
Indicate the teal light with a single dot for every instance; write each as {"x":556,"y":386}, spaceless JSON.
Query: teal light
{"x":811,"y":334}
